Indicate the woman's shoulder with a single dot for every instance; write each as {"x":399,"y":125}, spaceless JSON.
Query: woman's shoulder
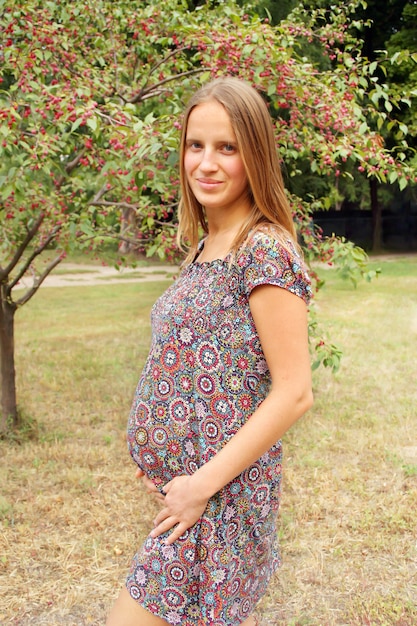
{"x":270,"y":240}
{"x":270,"y":256}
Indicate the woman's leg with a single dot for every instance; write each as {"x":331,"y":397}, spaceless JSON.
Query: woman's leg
{"x":127,"y":612}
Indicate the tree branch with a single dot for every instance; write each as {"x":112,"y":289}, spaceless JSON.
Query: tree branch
{"x":149,"y":92}
{"x":100,"y":193}
{"x":71,"y":166}
{"x":165,"y":59}
{"x":20,"y":250}
{"x":119,"y":205}
{"x":38,"y":282}
{"x":155,"y":67}
{"x":33,"y":256}
{"x":110,"y":119}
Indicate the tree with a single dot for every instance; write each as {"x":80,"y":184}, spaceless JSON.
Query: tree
{"x":89,"y":106}
{"x":72,"y":85}
{"x":387,"y":31}
{"x":385,"y":23}
{"x":401,"y":67}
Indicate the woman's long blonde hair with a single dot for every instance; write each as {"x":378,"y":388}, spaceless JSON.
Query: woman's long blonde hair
{"x":253,"y":128}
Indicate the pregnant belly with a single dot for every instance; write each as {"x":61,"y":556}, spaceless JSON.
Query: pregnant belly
{"x":162,"y":453}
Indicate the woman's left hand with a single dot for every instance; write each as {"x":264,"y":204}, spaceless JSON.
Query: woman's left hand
{"x":184,"y":505}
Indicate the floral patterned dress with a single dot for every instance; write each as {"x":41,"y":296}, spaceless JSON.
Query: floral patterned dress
{"x":204,"y":377}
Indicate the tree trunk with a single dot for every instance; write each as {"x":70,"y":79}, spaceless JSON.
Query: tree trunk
{"x":376,"y":216}
{"x":127,"y":222}
{"x":9,"y":415}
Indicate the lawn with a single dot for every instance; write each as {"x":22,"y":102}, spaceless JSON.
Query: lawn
{"x":71,"y":512}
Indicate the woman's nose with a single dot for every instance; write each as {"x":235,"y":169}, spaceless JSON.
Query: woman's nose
{"x":208,"y":160}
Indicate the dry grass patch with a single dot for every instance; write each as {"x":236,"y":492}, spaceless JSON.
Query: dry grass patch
{"x":71,"y":514}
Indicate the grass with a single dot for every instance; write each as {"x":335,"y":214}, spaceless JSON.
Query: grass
{"x":71,"y":513}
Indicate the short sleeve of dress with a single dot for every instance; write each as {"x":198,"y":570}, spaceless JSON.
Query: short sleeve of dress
{"x":264,"y":260}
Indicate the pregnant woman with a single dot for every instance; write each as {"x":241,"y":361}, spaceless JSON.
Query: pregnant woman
{"x":227,"y":374}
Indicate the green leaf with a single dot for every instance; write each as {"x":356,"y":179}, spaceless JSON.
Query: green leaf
{"x":92,"y":123}
{"x":271,"y":89}
{"x":173,"y":159}
{"x":392,"y":177}
{"x":375,"y":96}
{"x":7,"y":191}
{"x":402,"y":183}
{"x":76,"y":125}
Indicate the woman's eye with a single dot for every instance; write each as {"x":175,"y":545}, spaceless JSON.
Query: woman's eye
{"x":229,"y":148}
{"x":193,"y":145}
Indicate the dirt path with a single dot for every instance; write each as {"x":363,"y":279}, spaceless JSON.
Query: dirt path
{"x":75,"y":274}
{"x":71,"y":275}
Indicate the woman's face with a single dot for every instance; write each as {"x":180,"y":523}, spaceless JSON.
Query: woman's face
{"x":212,"y":163}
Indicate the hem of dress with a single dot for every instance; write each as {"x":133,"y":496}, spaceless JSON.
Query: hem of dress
{"x":200,"y":621}
{"x":147,"y":609}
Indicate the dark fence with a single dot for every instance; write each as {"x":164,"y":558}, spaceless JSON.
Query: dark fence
{"x":399,"y":229}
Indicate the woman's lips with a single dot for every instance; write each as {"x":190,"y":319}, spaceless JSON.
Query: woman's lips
{"x":208,"y":183}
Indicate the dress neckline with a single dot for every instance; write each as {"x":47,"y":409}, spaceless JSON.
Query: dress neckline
{"x":195,"y":262}
{"x":212,"y":262}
